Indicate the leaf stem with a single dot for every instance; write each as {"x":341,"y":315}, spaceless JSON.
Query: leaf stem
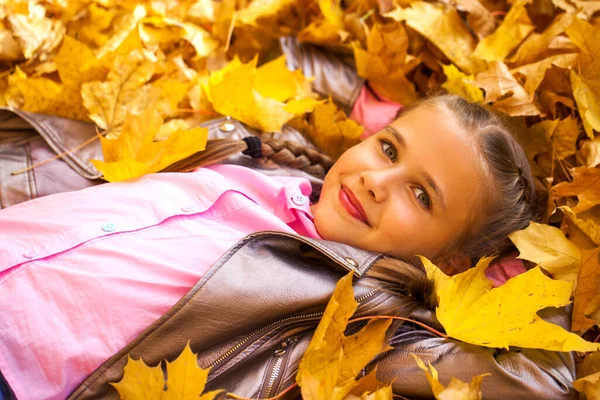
{"x":56,"y":157}
{"x":422,"y":325}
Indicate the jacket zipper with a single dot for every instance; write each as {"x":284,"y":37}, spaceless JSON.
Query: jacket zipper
{"x":232,"y":351}
{"x":277,"y":365}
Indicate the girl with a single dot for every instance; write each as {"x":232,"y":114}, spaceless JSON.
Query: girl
{"x":109,"y":269}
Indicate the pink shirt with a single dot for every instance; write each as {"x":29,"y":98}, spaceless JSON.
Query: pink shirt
{"x":83,"y":273}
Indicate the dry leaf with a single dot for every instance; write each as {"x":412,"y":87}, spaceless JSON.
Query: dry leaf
{"x":186,"y":380}
{"x":536,"y":46}
{"x":534,"y":73}
{"x":382,"y":64}
{"x":515,"y":27}
{"x":135,"y":153}
{"x":472,"y":311}
{"x":332,"y":361}
{"x":232,"y":91}
{"x":461,"y":84}
{"x":109,"y":101}
{"x":442,"y":25}
{"x":585,"y":185}
{"x":126,"y":28}
{"x":503,"y":90}
{"x":548,"y":247}
{"x":588,"y":287}
{"x":456,"y":390}
{"x":331,"y":131}
{"x":140,"y":381}
{"x":479,"y":19}
{"x":37,"y":34}
{"x":589,"y":153}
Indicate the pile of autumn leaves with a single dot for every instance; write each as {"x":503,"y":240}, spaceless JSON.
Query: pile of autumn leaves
{"x":148,"y":73}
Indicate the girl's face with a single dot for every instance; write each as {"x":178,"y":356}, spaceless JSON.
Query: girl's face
{"x":407,"y":190}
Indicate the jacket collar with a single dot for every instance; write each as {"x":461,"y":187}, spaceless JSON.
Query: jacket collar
{"x":348,"y":257}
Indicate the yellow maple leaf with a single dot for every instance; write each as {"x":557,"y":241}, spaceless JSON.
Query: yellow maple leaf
{"x":514,"y":28}
{"x":461,"y":84}
{"x":444,"y":27}
{"x":37,"y":34}
{"x":588,"y":373}
{"x":43,"y":95}
{"x":332,"y":361}
{"x":587,"y":226}
{"x":93,"y":27}
{"x":331,"y":131}
{"x":274,"y":80}
{"x":548,"y":247}
{"x":585,"y":185}
{"x":125,"y":35}
{"x":383,"y":63}
{"x":534,"y":73}
{"x":456,"y":390}
{"x":586,"y":85}
{"x":108,"y":101}
{"x":186,"y":380}
{"x":472,"y":311}
{"x":135,"y":153}
{"x":201,"y":40}
{"x":77,"y":64}
{"x":140,"y":381}
{"x":232,"y":92}
{"x":505,"y":91}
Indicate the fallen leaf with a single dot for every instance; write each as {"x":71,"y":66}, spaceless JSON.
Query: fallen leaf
{"x":479,"y":19}
{"x":564,"y":138}
{"x":109,"y":101}
{"x":456,"y":390}
{"x":503,"y":90}
{"x":332,"y":360}
{"x":382,"y":63}
{"x":77,"y":64}
{"x":443,"y":26}
{"x":536,"y":140}
{"x":514,"y":29}
{"x":589,"y":386}
{"x":534,"y":73}
{"x":331,"y":131}
{"x":472,"y":311}
{"x":140,"y":381}
{"x":588,"y":287}
{"x":586,"y":82}
{"x":585,"y":185}
{"x":536,"y":46}
{"x":461,"y":84}
{"x":126,"y":28}
{"x":589,"y":153}
{"x":135,"y":153}
{"x":548,"y":247}
{"x":186,"y":380}
{"x":37,"y":34}
{"x":231,"y":91}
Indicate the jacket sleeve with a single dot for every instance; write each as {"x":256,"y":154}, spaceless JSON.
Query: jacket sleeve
{"x":516,"y":374}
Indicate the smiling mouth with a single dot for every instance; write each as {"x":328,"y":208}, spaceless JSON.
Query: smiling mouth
{"x":352,"y":205}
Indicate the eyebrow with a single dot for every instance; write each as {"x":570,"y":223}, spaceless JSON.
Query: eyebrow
{"x":428,"y":178}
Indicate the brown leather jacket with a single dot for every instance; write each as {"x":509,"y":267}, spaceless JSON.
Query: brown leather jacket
{"x":252,"y":315}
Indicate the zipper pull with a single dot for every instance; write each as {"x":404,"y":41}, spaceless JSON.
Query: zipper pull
{"x":284,"y":345}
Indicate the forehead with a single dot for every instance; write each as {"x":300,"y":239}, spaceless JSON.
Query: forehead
{"x":438,"y":144}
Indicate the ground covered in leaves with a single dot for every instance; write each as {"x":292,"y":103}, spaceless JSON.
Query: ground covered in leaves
{"x":147,"y":73}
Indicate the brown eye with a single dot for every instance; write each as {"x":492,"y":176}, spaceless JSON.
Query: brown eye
{"x":423,"y":198}
{"x":389,"y":150}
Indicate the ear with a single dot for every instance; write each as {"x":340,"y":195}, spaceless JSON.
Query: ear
{"x":454,"y":263}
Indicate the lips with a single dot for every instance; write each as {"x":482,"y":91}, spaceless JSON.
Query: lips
{"x":352,"y":205}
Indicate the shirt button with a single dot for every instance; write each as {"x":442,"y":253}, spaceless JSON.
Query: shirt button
{"x":31,"y":253}
{"x":109,"y":226}
{"x":299,"y":199}
{"x":188,"y":208}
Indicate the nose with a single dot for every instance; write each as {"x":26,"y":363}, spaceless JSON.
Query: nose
{"x":379,"y":182}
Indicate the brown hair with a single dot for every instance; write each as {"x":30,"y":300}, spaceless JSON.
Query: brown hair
{"x":284,"y":153}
